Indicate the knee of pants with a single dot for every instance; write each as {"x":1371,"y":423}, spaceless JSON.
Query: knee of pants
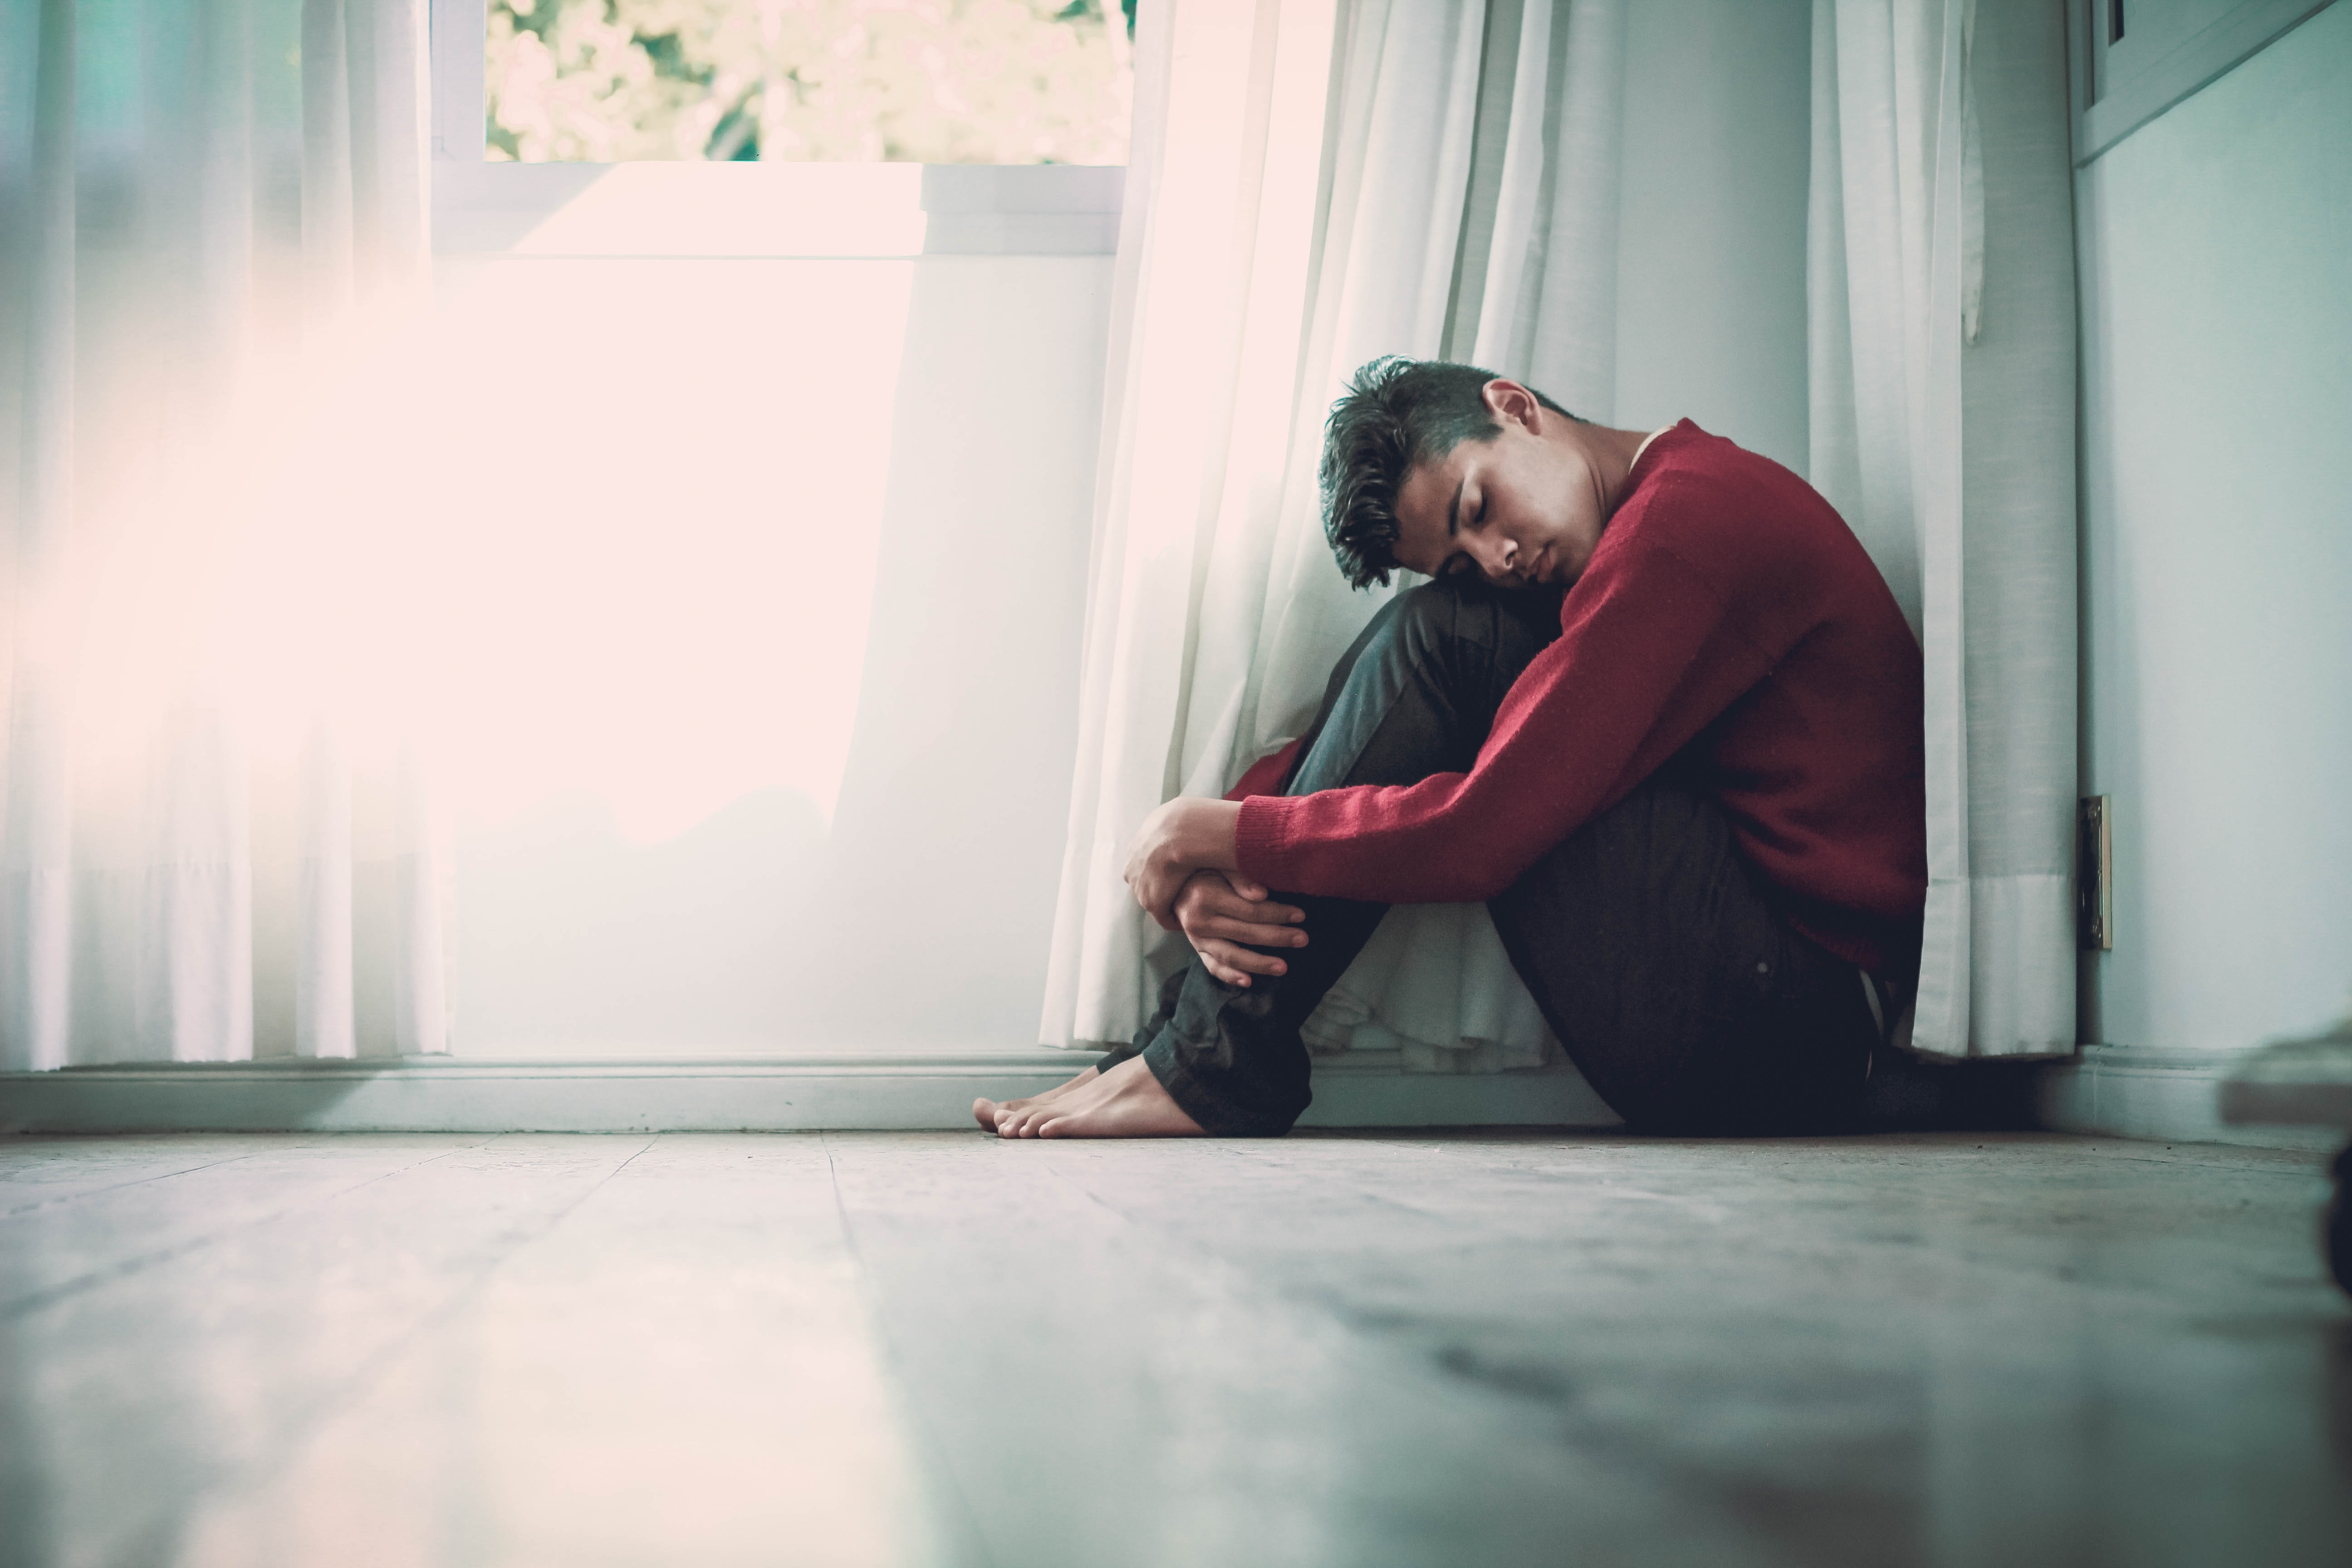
{"x":1419,"y":623}
{"x":1474,"y":628}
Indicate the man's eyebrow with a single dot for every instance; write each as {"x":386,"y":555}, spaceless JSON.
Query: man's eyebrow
{"x":1454,"y":515}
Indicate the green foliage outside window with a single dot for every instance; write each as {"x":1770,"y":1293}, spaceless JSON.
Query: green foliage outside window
{"x":930,"y":82}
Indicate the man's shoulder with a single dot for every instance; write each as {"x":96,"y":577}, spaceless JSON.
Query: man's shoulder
{"x":1699,"y":480}
{"x":1736,"y":518}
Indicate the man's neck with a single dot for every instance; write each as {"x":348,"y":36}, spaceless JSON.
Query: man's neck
{"x":1614,"y":455}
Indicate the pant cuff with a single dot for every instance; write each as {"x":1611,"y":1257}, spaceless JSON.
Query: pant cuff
{"x":1219,"y":1115}
{"x":1118,"y":1054}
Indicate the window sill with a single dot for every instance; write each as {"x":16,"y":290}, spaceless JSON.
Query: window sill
{"x":770,"y":211}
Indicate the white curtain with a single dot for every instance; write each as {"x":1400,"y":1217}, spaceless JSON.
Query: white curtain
{"x":212,"y":838}
{"x":1940,"y":269}
{"x":1313,"y":184}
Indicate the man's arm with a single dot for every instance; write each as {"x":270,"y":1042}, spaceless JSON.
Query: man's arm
{"x":1649,"y":654}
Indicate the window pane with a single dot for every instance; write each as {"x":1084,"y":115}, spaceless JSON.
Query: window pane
{"x":923,"y":81}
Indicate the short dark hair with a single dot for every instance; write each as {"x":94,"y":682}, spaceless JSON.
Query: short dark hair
{"x":1397,"y":413}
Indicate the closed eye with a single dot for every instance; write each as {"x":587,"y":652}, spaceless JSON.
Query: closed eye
{"x":1459,"y":564}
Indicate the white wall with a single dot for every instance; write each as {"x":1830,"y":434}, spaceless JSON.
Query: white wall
{"x":2215,"y":251}
{"x":1711,"y":243}
{"x":786,"y":763}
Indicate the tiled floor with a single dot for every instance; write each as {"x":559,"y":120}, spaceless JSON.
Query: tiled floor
{"x":915,"y":1348}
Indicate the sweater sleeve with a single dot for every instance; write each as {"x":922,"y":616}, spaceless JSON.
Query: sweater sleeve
{"x":1649,"y":654}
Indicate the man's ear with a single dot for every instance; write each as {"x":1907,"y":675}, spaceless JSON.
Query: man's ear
{"x":1513,"y":404}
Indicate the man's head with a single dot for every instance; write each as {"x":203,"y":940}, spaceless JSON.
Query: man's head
{"x":1445,"y":468}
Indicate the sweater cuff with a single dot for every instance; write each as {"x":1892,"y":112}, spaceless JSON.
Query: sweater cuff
{"x":1260,"y":836}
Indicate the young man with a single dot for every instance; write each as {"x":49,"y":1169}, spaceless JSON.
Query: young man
{"x":1657,"y":707}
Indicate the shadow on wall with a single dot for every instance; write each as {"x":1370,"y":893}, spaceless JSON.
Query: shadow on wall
{"x":770,"y":650}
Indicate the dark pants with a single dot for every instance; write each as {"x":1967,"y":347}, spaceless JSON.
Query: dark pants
{"x":1655,"y":952}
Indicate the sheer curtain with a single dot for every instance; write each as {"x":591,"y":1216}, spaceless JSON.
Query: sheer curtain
{"x":1313,"y":184}
{"x":1940,"y":263}
{"x":1463,"y":161}
{"x":213,"y":839}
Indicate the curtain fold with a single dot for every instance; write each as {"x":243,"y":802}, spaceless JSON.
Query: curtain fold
{"x":1940,"y":278}
{"x":1313,"y":185}
{"x":213,"y":208}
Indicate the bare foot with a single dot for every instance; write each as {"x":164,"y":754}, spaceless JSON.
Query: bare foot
{"x":988,"y":1112}
{"x":1125,"y":1102}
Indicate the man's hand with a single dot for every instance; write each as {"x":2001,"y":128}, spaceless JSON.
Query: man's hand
{"x":1220,"y":910}
{"x":1185,"y":835}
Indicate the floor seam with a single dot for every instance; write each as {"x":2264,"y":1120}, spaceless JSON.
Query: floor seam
{"x":933,"y":1444}
{"x":26,"y":1306}
{"x":363,"y":1378}
{"x":141,"y":1181}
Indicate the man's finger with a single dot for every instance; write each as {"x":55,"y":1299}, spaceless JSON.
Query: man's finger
{"x":1157,"y":893}
{"x":1255,"y":891}
{"x":1233,"y":965}
{"x":1254,"y":935}
{"x":1255,"y":911}
{"x":1262,"y":913}
{"x":1145,"y":897}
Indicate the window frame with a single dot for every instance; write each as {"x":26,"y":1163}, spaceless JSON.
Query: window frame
{"x":2116,"y":89}
{"x":776,"y":210}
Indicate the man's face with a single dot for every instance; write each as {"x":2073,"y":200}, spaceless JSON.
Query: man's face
{"x":1521,"y":510}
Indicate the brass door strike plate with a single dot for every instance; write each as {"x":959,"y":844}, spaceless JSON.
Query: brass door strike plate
{"x":2095,"y":885}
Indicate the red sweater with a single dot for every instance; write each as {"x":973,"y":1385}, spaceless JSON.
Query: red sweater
{"x":1728,"y":608}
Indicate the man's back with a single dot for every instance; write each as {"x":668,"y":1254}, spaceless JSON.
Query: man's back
{"x":1819,"y":761}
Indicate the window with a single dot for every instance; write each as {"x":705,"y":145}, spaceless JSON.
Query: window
{"x":779,"y":128}
{"x":698,"y":432}
{"x":916,"y":81}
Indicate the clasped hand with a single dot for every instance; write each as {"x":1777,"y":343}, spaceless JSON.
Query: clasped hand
{"x":1185,"y":835}
{"x":1225,"y":914}
{"x":1181,"y":866}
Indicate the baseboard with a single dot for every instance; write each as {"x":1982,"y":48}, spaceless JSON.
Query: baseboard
{"x":2131,"y":1091}
{"x":781,"y":1093}
{"x":2110,"y":1090}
